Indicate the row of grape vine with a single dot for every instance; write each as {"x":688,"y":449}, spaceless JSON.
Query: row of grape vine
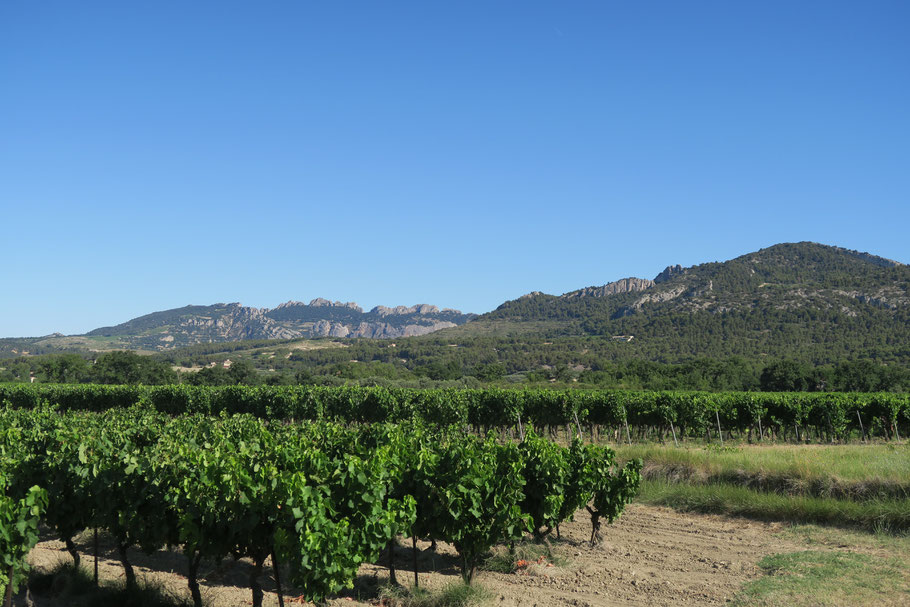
{"x":317,"y":499}
{"x":823,"y":416}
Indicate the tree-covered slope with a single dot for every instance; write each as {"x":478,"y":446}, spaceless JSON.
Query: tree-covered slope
{"x":804,"y":299}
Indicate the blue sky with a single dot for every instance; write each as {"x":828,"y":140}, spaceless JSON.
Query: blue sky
{"x":158,"y":154}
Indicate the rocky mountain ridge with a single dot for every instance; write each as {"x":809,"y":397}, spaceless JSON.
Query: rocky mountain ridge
{"x":290,"y":320}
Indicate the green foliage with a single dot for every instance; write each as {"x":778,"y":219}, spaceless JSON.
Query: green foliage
{"x":477,"y":496}
{"x":240,"y":372}
{"x":785,"y":376}
{"x":123,"y":367}
{"x":545,"y":471}
{"x":580,"y":479}
{"x":320,"y":498}
{"x":64,"y":369}
{"x":613,"y":488}
{"x":829,"y":416}
{"x":18,"y":532}
{"x":119,"y":456}
{"x":45,"y":449}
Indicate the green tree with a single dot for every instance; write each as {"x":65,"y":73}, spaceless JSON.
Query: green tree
{"x":243,"y":372}
{"x":209,"y":376}
{"x":785,"y":376}
{"x":122,"y":367}
{"x":491,"y":372}
{"x":64,"y":369}
{"x":860,"y":376}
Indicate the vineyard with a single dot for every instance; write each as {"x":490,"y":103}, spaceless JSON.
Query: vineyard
{"x":317,"y":499}
{"x":317,"y":481}
{"x":626,"y":415}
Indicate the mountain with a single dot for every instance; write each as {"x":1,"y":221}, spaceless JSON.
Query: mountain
{"x":291,"y":320}
{"x":806,"y":299}
{"x":224,"y":322}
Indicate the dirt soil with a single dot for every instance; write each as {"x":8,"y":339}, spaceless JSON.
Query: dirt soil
{"x":650,"y":556}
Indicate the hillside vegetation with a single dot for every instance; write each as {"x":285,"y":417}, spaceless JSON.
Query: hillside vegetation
{"x":809,"y":301}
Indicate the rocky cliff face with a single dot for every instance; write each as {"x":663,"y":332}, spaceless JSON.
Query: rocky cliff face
{"x":376,"y":330}
{"x":404,"y":310}
{"x":625,"y":285}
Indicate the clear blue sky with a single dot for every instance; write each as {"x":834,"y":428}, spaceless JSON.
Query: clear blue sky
{"x":164,"y":153}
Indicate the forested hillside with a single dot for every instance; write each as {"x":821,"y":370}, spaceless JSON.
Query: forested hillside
{"x":808,"y":301}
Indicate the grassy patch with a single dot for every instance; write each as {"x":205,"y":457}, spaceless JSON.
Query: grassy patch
{"x":457,"y":594}
{"x":831,"y":537}
{"x":526,"y":554}
{"x":887,"y":516}
{"x":857,"y":472}
{"x":827,"y":578}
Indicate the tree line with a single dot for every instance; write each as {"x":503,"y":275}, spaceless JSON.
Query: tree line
{"x":421,"y":365}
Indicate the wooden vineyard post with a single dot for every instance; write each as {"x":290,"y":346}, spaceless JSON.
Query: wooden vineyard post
{"x":625,"y":421}
{"x":720,"y":432}
{"x":414,"y":552}
{"x":861,"y":428}
{"x":674,"y":434}
{"x":276,"y":568}
{"x":96,"y":556}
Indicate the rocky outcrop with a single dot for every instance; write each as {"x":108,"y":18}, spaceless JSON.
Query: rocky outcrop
{"x":890,"y":299}
{"x":235,"y":322}
{"x":881,"y":262}
{"x":324,"y":328}
{"x":625,"y":285}
{"x":654,"y":297}
{"x":325,"y":303}
{"x":404,"y":310}
{"x":376,"y":330}
{"x":530,"y":295}
{"x":669,"y":273}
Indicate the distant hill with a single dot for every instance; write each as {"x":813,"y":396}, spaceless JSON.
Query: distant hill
{"x":802,"y":299}
{"x":222,"y":322}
